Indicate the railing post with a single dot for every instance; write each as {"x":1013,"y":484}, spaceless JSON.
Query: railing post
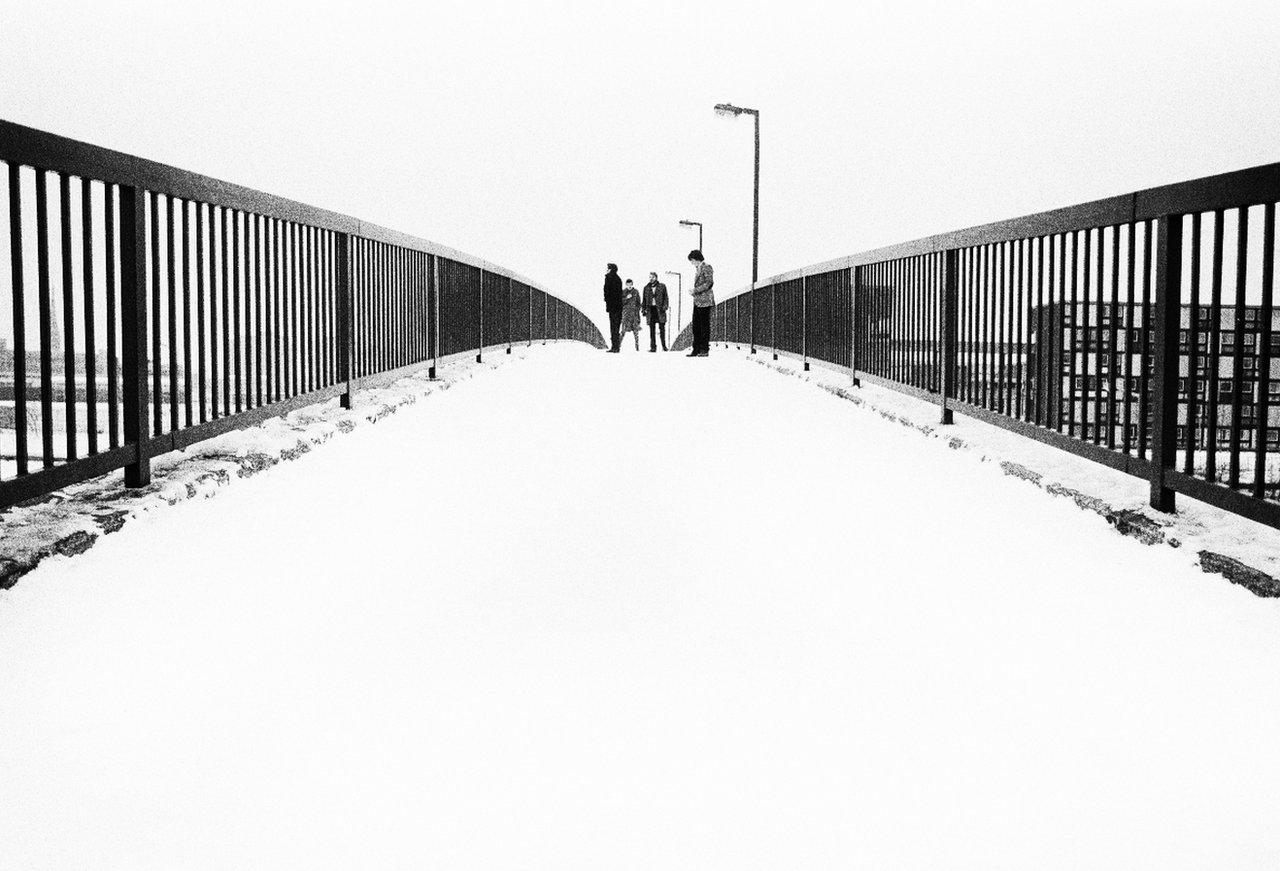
{"x":480,"y":349}
{"x":342,"y":254}
{"x":133,"y":332}
{"x":853,"y":325}
{"x":950,"y":327}
{"x":804,"y":320}
{"x":1168,"y":312}
{"x":435,"y":326}
{"x":509,"y":331}
{"x":773,"y":318}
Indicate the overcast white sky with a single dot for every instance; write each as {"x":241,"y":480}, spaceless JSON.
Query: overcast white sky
{"x":553,"y":137}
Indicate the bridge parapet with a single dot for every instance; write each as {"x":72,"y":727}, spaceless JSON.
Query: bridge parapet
{"x":170,"y":307}
{"x":1139,"y":331}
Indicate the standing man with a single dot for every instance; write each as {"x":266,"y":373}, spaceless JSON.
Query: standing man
{"x":703,"y":301}
{"x":613,"y":305}
{"x":655,"y":310}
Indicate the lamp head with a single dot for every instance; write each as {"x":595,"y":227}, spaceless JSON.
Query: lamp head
{"x":727,"y":110}
{"x":690,"y":223}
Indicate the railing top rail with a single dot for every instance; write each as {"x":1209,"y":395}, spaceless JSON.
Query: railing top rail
{"x":27,"y":146}
{"x":1245,"y":187}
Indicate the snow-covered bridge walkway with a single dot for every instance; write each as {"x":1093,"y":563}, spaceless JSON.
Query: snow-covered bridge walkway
{"x":634,"y":611}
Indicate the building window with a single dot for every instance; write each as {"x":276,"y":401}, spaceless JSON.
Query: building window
{"x":1227,"y":341}
{"x":1273,"y":437}
{"x":1224,"y":387}
{"x":1224,"y":436}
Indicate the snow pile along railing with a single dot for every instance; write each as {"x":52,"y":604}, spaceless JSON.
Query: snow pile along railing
{"x":144,"y":308}
{"x":1137,"y":331}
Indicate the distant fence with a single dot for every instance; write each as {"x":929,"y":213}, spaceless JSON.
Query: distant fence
{"x":145,"y":308}
{"x":1138,"y":331}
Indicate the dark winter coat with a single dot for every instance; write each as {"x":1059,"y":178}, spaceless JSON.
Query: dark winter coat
{"x":630,"y":310}
{"x":612,"y":292}
{"x":655,"y":296}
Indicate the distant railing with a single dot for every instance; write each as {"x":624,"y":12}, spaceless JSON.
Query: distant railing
{"x":145,"y":308}
{"x":1139,"y":331}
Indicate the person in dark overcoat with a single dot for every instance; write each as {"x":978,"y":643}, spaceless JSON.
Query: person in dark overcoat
{"x":613,"y":305}
{"x":655,"y":307}
{"x":630,"y":312}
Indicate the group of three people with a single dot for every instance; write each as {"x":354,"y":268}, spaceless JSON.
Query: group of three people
{"x":625,"y":305}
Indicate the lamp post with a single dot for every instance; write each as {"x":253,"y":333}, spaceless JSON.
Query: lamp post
{"x":728,"y":110}
{"x":697,"y":224}
{"x":679,"y":298}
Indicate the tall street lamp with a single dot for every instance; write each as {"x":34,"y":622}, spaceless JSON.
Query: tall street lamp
{"x":679,"y":297}
{"x":697,"y":224}
{"x":728,"y":110}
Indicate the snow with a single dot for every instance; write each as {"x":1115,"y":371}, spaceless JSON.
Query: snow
{"x":1195,"y":527}
{"x":634,"y":611}
{"x":30,"y":533}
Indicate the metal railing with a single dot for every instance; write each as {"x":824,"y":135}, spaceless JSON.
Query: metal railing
{"x":144,"y":308}
{"x":1138,"y":331}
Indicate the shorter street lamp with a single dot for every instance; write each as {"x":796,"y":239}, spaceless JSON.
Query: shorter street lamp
{"x":697,"y":224}
{"x":679,"y":299}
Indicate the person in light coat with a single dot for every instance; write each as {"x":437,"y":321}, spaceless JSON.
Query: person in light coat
{"x":703,"y":302}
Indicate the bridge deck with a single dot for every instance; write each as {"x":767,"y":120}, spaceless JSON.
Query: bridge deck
{"x":634,"y":611}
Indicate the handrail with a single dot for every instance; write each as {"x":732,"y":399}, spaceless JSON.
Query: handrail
{"x":1111,"y":329}
{"x":1245,"y":187}
{"x":155,"y":307}
{"x":27,"y":146}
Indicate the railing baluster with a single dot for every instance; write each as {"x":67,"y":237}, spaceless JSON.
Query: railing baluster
{"x":68,"y":315}
{"x":172,"y":310}
{"x":113,"y":374}
{"x":46,"y":318}
{"x":90,"y":327}
{"x":1193,"y":350}
{"x":1265,"y":312}
{"x":201,"y":343}
{"x":186,"y":312}
{"x":19,"y":318}
{"x":1237,"y":359}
